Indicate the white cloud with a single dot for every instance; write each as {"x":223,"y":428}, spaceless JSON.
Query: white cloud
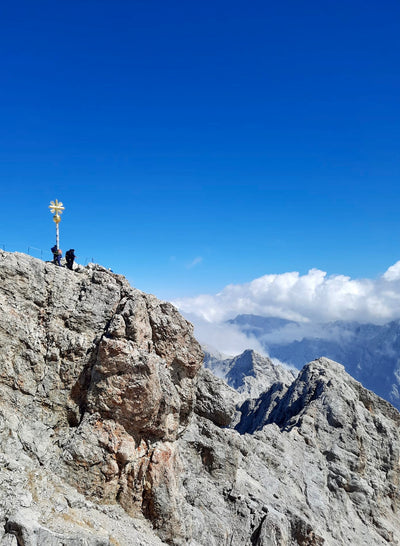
{"x":312,"y":298}
{"x":226,"y":338}
{"x":195,"y":262}
{"x":393,"y":273}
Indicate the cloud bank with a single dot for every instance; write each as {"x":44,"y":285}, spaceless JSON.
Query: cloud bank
{"x":315,"y":297}
{"x":223,"y":338}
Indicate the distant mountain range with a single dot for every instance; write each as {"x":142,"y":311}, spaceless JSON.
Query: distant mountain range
{"x":369,"y":352}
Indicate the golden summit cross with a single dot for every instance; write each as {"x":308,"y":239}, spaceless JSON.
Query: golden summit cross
{"x":56,"y":207}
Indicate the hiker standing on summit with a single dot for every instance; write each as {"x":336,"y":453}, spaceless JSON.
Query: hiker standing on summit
{"x":57,"y":254}
{"x":70,"y":257}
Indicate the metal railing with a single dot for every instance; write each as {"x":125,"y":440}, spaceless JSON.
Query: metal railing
{"x":38,"y":252}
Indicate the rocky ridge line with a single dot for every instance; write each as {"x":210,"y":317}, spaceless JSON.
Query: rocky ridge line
{"x":112,"y":433}
{"x":96,"y":385}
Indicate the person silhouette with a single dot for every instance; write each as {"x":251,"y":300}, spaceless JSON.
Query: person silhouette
{"x":70,"y":257}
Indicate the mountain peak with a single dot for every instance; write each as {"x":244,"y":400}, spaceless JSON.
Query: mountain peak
{"x":249,"y":373}
{"x":111,"y":433}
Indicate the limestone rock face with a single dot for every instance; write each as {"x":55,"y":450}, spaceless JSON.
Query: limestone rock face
{"x":96,"y":381}
{"x":321,"y":467}
{"x":215,"y":400}
{"x":111,"y":433}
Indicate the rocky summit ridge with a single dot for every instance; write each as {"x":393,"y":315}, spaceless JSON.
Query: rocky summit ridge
{"x":112,"y":432}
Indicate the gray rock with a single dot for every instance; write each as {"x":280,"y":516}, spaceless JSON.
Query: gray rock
{"x":90,"y":393}
{"x":322,"y":468}
{"x":249,"y":373}
{"x":111,"y":433}
{"x":215,"y":400}
{"x":24,"y":526}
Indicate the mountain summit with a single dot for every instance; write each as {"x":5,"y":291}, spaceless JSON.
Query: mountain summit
{"x":249,"y":373}
{"x":112,"y":433}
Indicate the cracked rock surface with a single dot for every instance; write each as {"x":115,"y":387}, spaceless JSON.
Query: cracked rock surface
{"x":111,"y":433}
{"x":96,"y":385}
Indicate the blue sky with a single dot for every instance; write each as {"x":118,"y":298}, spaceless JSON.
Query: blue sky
{"x":200,"y":144}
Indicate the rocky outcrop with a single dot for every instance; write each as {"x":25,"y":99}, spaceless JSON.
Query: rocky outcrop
{"x":112,"y":433}
{"x":321,"y":467}
{"x":215,"y":400}
{"x":96,"y":385}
